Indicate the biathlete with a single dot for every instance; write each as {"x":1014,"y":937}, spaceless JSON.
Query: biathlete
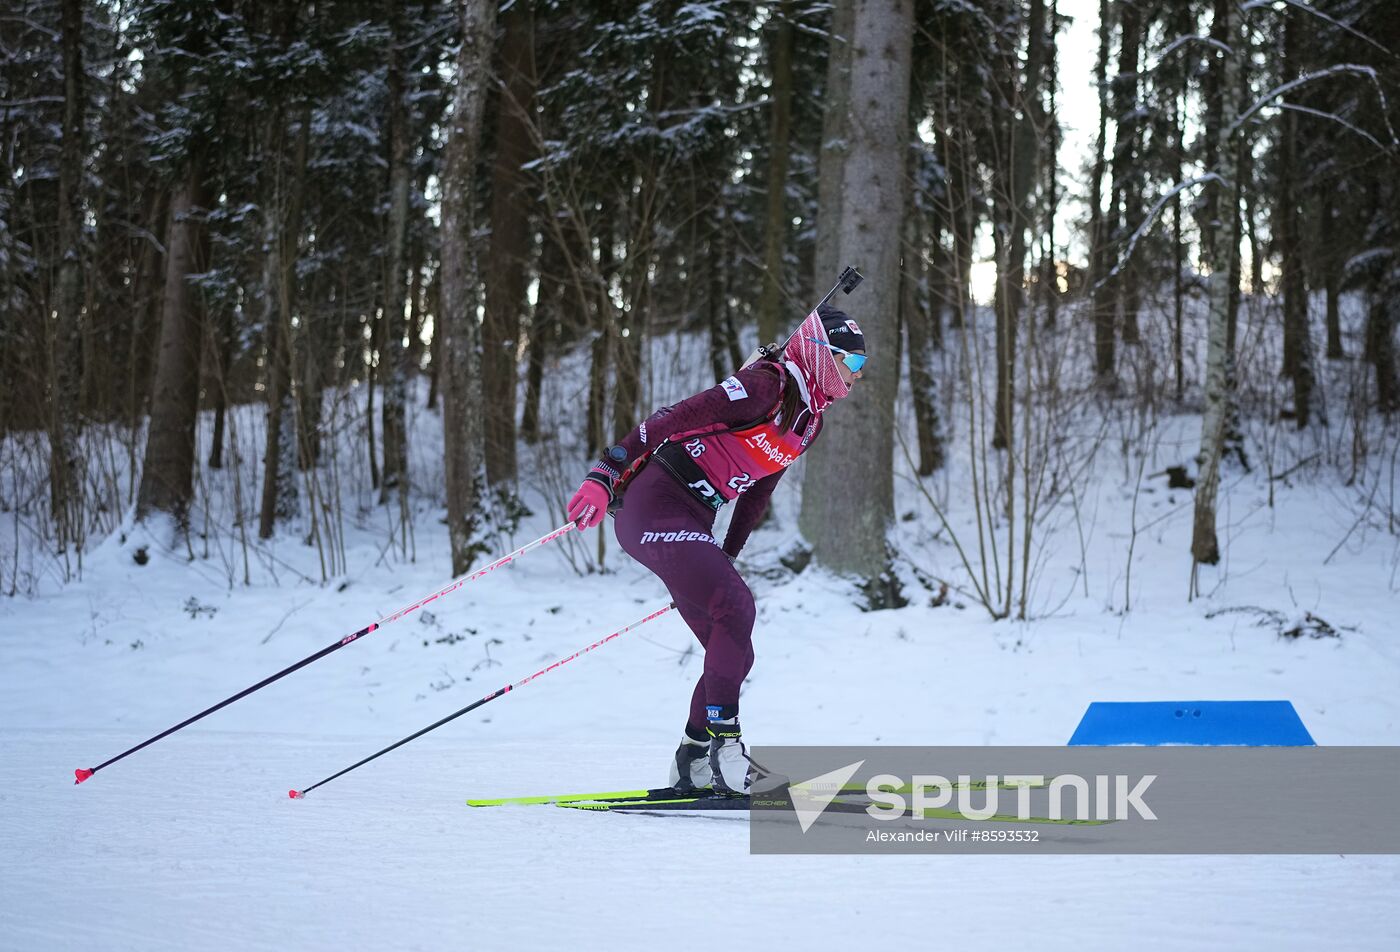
{"x":682,"y":463}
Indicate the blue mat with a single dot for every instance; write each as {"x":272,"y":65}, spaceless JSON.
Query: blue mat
{"x":1201,"y":723}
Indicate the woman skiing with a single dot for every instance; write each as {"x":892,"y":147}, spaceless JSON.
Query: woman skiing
{"x":733,"y":441}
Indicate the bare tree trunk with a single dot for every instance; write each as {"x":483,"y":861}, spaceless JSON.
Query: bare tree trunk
{"x":714,"y":291}
{"x":776,"y":228}
{"x":1205,"y":547}
{"x":280,"y":492}
{"x":1105,"y":314}
{"x":536,"y":350}
{"x":311,"y":360}
{"x":916,"y":320}
{"x":1022,"y":163}
{"x":1256,"y":257}
{"x":278,"y":346}
{"x":145,"y":306}
{"x":1243,"y":174}
{"x":834,"y":147}
{"x":545,"y":321}
{"x":943,"y":289}
{"x":435,"y":342}
{"x":857,"y":443}
{"x":393,"y":355}
{"x":510,"y":243}
{"x":1332,"y":278}
{"x":965,"y":214}
{"x":1050,"y":273}
{"x":601,"y":349}
{"x":725,"y":283}
{"x":417,"y":314}
{"x":220,"y":355}
{"x":167,"y":474}
{"x":1297,"y":341}
{"x":1122,"y":290}
{"x":723,"y":341}
{"x":12,"y":298}
{"x":633,"y":324}
{"x":460,"y":349}
{"x":376,"y":350}
{"x":1381,"y":321}
{"x":944,"y":272}
{"x":630,"y":326}
{"x":1178,"y":246}
{"x":65,"y":380}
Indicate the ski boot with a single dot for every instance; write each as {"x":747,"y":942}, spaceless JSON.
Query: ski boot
{"x":690,"y":767}
{"x":730,"y":767}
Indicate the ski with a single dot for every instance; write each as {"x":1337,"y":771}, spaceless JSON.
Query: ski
{"x":666,"y":793}
{"x":710,"y":802}
{"x":641,"y":796}
{"x":668,"y":799}
{"x":704,"y":801}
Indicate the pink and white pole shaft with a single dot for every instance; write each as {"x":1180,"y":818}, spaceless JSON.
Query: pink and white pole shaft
{"x":81,"y":774}
{"x":298,"y":794}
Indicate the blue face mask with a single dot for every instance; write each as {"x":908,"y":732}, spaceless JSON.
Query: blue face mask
{"x":855,"y":363}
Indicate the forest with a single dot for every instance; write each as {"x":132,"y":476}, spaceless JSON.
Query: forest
{"x":249,"y":248}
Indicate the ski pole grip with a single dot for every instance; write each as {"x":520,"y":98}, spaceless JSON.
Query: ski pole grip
{"x":621,"y":482}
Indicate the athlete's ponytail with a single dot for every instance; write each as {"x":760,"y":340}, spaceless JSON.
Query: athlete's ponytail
{"x":790,"y":405}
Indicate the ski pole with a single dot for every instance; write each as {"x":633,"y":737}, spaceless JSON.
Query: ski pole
{"x":298,"y":794}
{"x":82,"y":774}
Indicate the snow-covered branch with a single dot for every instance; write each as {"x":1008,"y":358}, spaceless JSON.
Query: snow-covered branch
{"x":1335,"y":118}
{"x":1149,"y":221}
{"x":1181,"y":41}
{"x":1369,"y":260}
{"x":31,"y":101}
{"x":1353,"y":68}
{"x":34,"y":25}
{"x":1308,"y":8}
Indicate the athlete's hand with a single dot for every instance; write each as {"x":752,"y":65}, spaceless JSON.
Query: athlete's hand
{"x":589,"y":505}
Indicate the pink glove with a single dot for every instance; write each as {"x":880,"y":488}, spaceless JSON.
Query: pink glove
{"x":589,"y":505}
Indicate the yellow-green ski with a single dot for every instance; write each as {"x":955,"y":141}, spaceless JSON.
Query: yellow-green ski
{"x":667,"y":793}
{"x":630,"y":795}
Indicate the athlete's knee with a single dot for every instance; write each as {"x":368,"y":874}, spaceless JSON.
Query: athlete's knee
{"x":733,"y":607}
{"x":744,"y":611}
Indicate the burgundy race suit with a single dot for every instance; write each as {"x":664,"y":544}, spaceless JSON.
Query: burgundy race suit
{"x":719,"y":445}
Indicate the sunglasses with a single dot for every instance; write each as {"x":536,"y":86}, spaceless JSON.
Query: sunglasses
{"x":855,"y":363}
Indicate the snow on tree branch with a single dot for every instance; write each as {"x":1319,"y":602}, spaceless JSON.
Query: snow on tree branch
{"x":1307,"y":8}
{"x":1181,"y":41}
{"x":1353,"y":68}
{"x":1148,"y":222}
{"x":1322,"y":114}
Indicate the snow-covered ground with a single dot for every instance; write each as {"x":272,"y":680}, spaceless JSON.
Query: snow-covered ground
{"x":194,"y":842}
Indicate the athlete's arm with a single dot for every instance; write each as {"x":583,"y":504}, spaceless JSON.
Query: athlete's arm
{"x":748,"y":510}
{"x":744,"y":398}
